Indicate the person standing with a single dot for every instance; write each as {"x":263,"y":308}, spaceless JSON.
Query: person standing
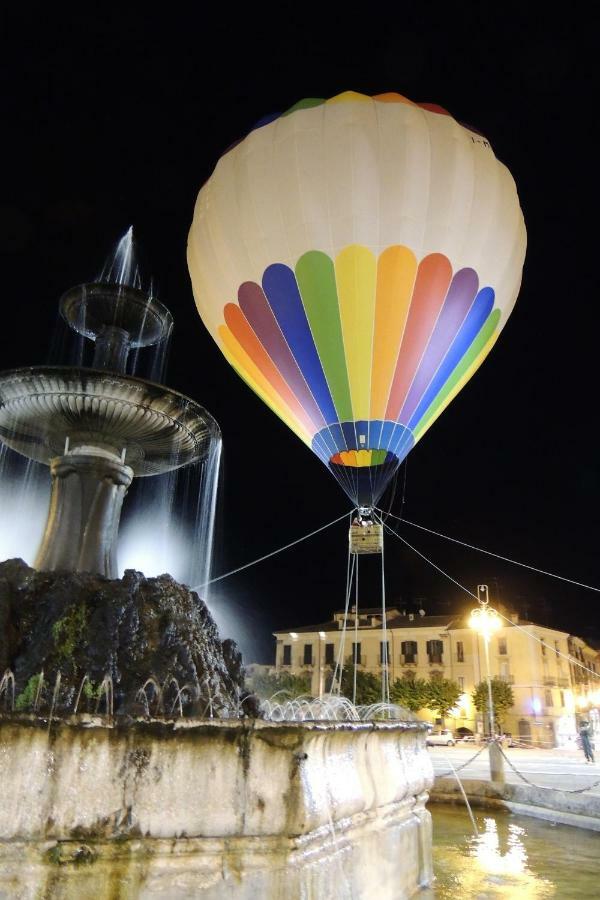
{"x":585,"y":732}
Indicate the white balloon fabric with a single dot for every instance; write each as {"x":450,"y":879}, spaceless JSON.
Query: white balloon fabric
{"x":355,"y":259}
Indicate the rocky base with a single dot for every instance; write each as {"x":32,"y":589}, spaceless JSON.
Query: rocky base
{"x":78,"y":642}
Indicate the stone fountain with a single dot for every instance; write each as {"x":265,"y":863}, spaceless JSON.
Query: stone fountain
{"x":132,"y":762}
{"x":97,"y":428}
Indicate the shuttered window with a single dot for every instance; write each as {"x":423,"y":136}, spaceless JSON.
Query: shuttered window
{"x":435,"y":651}
{"x":409,"y":651}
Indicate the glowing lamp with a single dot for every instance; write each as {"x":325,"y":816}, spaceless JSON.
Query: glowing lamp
{"x":485,"y":621}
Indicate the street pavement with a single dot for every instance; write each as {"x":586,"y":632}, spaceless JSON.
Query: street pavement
{"x":561,"y":769}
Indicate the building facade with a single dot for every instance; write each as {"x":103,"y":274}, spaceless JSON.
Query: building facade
{"x":551,"y":691}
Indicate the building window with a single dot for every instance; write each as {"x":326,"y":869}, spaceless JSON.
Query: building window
{"x":557,"y":648}
{"x":384,"y":652}
{"x":460,"y":652}
{"x":287,"y":654}
{"x":435,"y":651}
{"x":502,"y":646}
{"x":308,"y":655}
{"x":329,"y":649}
{"x":409,"y":652}
{"x":356,"y":654}
{"x":461,"y":683}
{"x":562,"y":699}
{"x":549,"y":701}
{"x":543,"y":646}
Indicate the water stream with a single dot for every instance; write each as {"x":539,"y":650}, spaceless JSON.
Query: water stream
{"x":513,"y":857}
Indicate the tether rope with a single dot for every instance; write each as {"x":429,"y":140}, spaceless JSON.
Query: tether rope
{"x":514,"y":562}
{"x":339,"y":663}
{"x":260,"y":559}
{"x":385,"y":675}
{"x":533,"y":637}
{"x":355,"y":654}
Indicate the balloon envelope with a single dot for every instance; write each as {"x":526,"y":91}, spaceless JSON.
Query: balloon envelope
{"x":356,"y":259}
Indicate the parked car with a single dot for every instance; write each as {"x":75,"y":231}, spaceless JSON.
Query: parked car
{"x":443,"y":738}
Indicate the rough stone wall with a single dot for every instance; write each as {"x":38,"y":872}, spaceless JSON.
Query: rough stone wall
{"x":130,"y":629}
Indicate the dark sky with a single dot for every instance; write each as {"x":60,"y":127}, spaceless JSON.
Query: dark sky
{"x":117,"y":115}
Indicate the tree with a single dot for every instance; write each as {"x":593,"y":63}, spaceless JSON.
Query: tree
{"x":265,"y":685}
{"x":410,"y":693}
{"x":502,"y":699}
{"x":368,"y":685}
{"x":442,"y":695}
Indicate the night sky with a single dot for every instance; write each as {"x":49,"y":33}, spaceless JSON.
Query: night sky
{"x":117,"y":116}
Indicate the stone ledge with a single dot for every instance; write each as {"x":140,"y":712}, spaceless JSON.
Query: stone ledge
{"x":582,"y":810}
{"x":214,"y":810}
{"x":216,"y":778}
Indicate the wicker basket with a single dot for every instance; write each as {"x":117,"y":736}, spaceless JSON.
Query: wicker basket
{"x":366,"y":538}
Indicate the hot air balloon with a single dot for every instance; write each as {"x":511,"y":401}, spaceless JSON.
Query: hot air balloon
{"x":355,"y":259}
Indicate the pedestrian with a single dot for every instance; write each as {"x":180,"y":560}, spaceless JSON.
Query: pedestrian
{"x":586,"y":742}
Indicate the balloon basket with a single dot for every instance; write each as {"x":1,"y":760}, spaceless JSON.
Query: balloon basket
{"x":366,"y":539}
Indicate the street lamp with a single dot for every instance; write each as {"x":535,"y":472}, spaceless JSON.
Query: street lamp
{"x":486,"y":621}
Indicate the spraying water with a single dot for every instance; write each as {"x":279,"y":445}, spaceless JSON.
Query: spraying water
{"x":24,"y":497}
{"x":122,"y":265}
{"x":169,"y":523}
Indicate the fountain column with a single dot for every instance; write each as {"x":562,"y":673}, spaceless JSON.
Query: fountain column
{"x":88,"y":489}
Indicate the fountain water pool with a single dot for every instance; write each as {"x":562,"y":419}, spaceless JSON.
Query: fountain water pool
{"x":513,"y":856}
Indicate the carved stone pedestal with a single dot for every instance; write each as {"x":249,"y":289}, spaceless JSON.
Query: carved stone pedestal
{"x":88,"y":490}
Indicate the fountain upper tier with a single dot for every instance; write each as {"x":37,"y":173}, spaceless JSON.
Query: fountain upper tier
{"x":151,"y":428}
{"x":117,"y":317}
{"x":88,"y":308}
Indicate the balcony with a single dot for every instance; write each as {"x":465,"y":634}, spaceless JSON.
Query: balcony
{"x":507,"y":679}
{"x":549,"y":681}
{"x":436,"y":659}
{"x":563,"y":682}
{"x":407,"y":659}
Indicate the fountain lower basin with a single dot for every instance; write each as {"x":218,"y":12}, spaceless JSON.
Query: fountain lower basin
{"x":214,"y":809}
{"x":153,"y":428}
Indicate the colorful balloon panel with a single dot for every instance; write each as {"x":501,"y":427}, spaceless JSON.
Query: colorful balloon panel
{"x":375,"y":248}
{"x":322,"y":362}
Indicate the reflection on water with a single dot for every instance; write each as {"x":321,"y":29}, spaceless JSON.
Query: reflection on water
{"x":513,"y":857}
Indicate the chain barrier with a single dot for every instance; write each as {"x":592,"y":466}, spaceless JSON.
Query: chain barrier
{"x":520,"y":775}
{"x":582,"y":790}
{"x":462,"y":766}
